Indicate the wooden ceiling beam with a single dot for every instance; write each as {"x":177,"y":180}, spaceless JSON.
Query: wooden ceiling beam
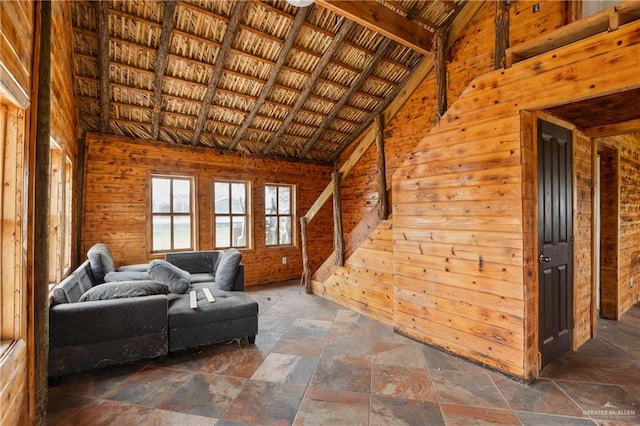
{"x":221,"y":59}
{"x":622,"y":128}
{"x":342,"y":33}
{"x":380,"y":52}
{"x":103,"y":59}
{"x":381,"y":19}
{"x":301,"y":16}
{"x":161,"y":64}
{"x":330,"y":34}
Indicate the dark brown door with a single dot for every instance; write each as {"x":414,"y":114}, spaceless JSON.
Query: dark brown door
{"x":555,"y":241}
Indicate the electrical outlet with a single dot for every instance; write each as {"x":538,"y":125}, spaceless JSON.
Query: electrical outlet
{"x":284,"y":260}
{"x":536,"y":8}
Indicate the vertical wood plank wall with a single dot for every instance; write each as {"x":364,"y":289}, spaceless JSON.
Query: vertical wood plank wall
{"x":583,"y":237}
{"x":117,"y":174}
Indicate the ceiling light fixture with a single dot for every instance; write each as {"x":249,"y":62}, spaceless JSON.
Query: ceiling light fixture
{"x":300,"y":3}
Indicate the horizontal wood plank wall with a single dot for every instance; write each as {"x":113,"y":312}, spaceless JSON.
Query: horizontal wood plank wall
{"x":365,"y":282}
{"x":458,"y":218}
{"x":629,"y":220}
{"x":16,"y":45}
{"x":14,"y":385}
{"x":117,"y":187}
{"x":472,"y":56}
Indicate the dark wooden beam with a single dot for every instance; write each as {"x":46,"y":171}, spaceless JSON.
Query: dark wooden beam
{"x":40,"y":226}
{"x":232,"y":29}
{"x":103,"y":54}
{"x":338,"y":237}
{"x":301,"y":16}
{"x":383,"y":206}
{"x":355,"y":85}
{"x":502,"y":33}
{"x":161,"y":64}
{"x":440,"y":65}
{"x":381,"y":19}
{"x":315,"y":75}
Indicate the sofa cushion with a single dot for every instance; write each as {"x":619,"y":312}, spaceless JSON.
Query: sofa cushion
{"x":229,"y":305}
{"x":177,"y":279}
{"x":122,"y":289}
{"x":101,"y":261}
{"x":126,"y":276}
{"x":228,"y":269}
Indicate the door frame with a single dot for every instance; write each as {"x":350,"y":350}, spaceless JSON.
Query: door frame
{"x":533,"y":361}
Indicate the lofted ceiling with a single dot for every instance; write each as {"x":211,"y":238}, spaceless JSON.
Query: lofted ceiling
{"x":256,"y":77}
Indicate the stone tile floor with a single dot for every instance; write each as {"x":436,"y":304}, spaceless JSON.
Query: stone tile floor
{"x":317,"y":363}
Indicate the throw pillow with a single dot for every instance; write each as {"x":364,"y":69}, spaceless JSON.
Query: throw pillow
{"x":101,"y":261}
{"x":122,"y":289}
{"x":228,"y":269}
{"x":177,"y":279}
{"x":125,"y":276}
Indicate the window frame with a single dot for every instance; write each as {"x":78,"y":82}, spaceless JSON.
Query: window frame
{"x":192,"y":214}
{"x":292,"y":214}
{"x":247,"y":214}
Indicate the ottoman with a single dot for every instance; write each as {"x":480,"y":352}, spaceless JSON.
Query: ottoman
{"x":233,"y":315}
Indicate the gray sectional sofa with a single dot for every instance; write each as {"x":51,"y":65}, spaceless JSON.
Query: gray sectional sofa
{"x":95,"y":324}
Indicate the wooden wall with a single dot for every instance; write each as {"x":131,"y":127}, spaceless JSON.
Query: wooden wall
{"x":458,"y":203}
{"x":471,"y":56}
{"x":465,"y":274}
{"x":116,"y":201}
{"x":583,"y":237}
{"x":627,"y":246}
{"x":17,"y":23}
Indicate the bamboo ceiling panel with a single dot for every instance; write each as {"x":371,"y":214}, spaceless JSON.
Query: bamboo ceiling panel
{"x":257,"y":77}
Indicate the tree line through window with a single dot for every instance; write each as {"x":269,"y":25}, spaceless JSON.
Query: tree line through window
{"x":173,"y":219}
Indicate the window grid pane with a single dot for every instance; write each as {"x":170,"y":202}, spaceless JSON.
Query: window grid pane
{"x":172,"y":217}
{"x":278,"y":215}
{"x":230,"y":215}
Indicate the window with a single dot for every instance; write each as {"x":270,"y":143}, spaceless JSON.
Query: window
{"x":279,"y":219}
{"x":60,"y":213}
{"x":172,"y":215}
{"x":230,"y":214}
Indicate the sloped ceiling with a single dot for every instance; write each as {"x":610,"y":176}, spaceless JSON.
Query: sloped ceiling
{"x":257,"y":77}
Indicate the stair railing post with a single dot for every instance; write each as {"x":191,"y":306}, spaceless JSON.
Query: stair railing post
{"x":338,"y":238}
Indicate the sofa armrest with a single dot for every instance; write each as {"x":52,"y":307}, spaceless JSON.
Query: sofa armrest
{"x":80,"y":323}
